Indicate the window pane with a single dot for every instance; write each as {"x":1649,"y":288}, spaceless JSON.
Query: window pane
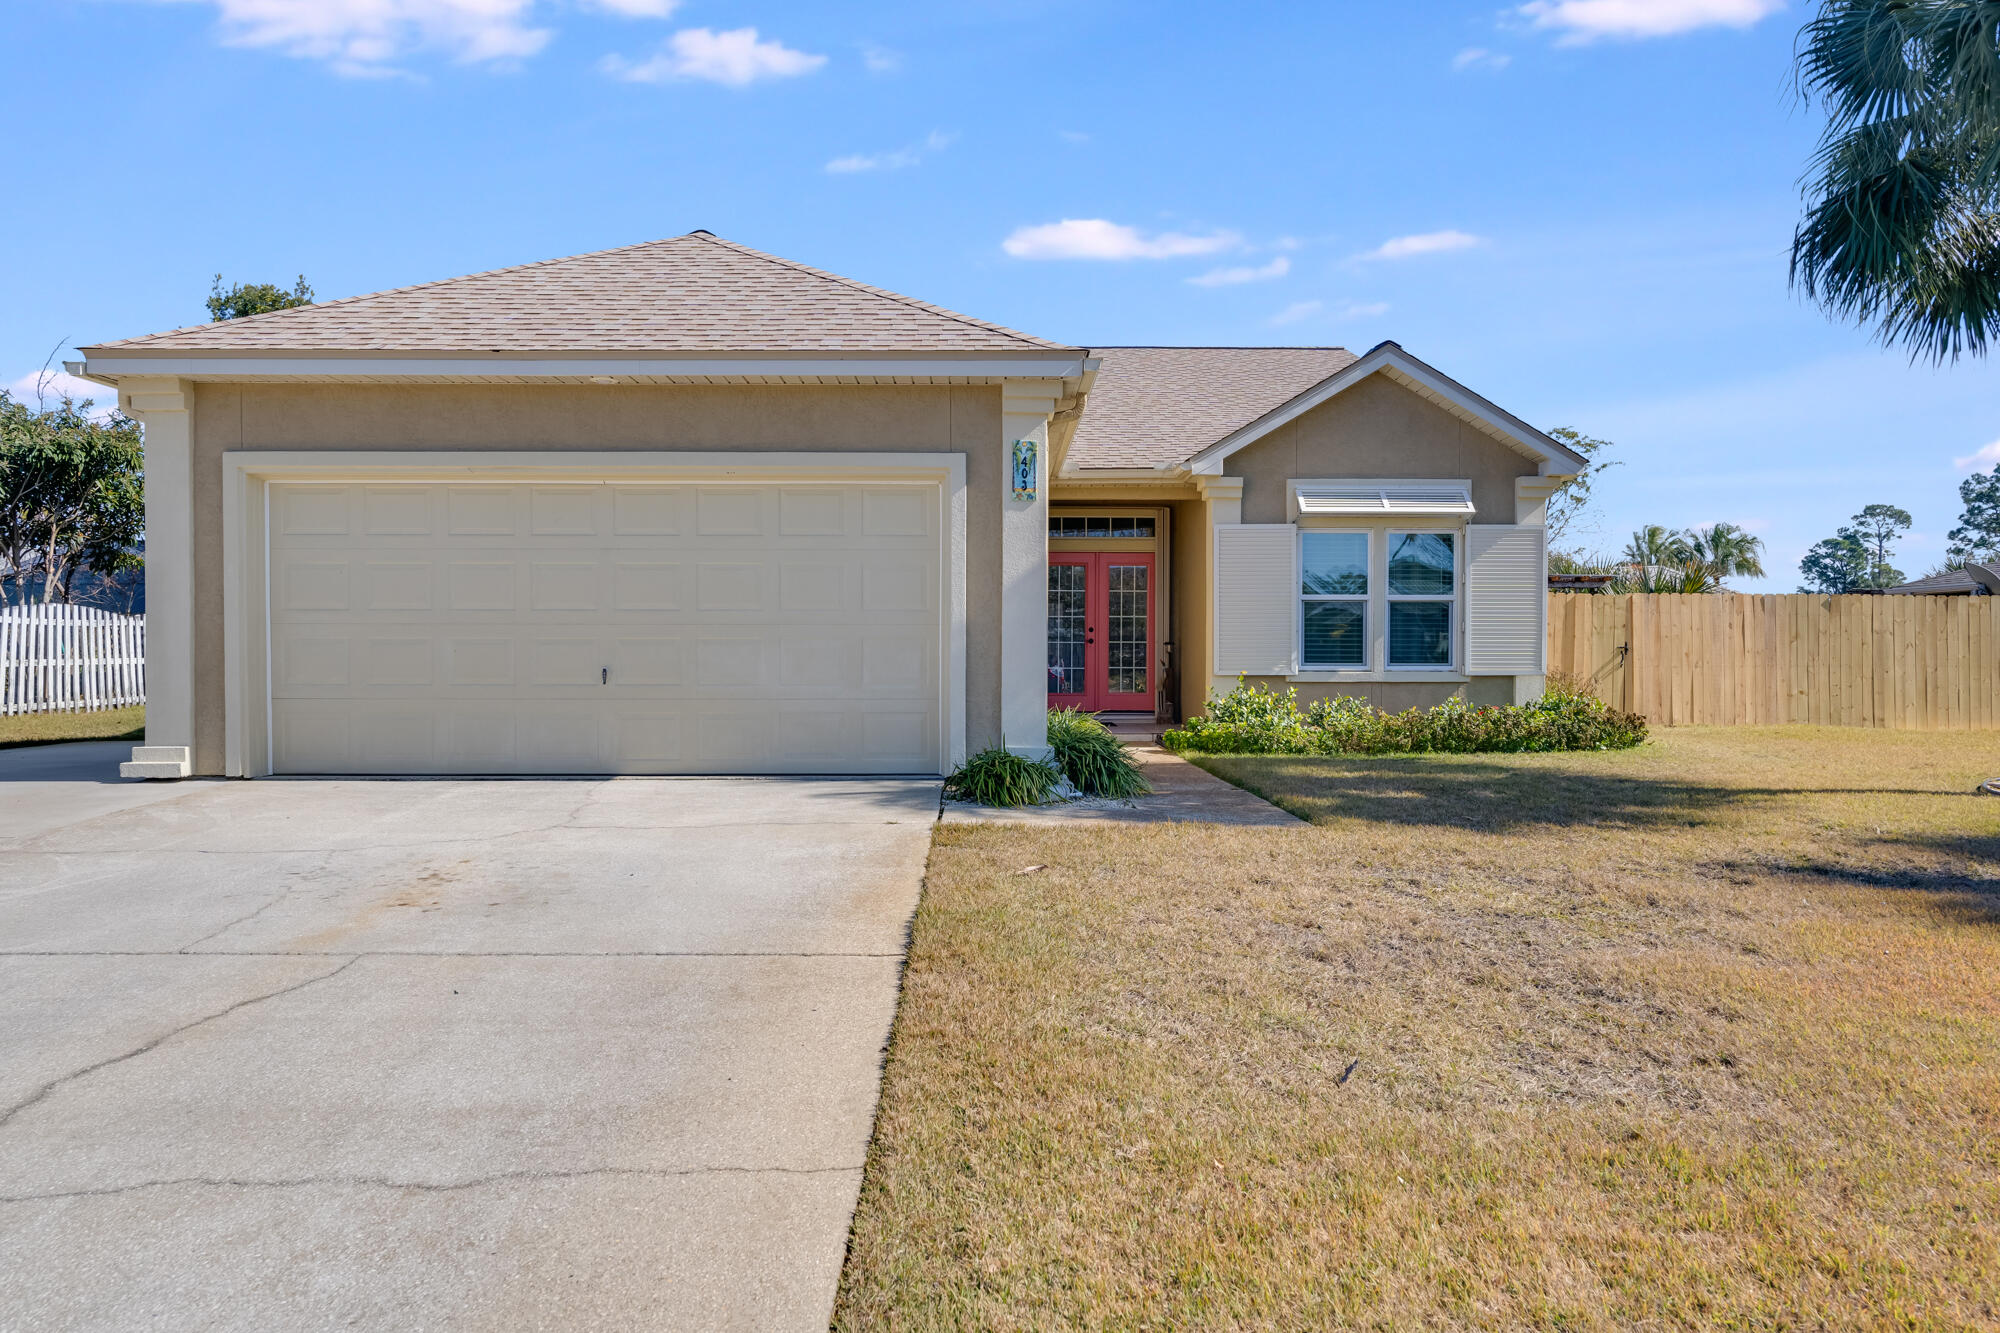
{"x":1097,"y":527}
{"x":1066,"y":629}
{"x":1143,"y":528}
{"x":1336,"y":634}
{"x":1334,"y":563}
{"x":1420,"y":634}
{"x":1124,"y":526}
{"x":1127,"y":643}
{"x":1420,"y":564}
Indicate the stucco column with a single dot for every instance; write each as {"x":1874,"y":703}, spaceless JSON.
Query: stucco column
{"x":1221,"y":502}
{"x":1024,"y":570}
{"x":164,"y":408}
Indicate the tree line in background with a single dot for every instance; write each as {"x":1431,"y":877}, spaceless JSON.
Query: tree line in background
{"x":72,"y":483}
{"x":1856,"y":558}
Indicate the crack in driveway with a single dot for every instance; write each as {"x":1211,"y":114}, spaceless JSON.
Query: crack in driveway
{"x":42,"y":1093}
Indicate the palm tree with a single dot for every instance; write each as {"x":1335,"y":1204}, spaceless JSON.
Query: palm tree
{"x":1657,"y":546}
{"x":1728,"y":552}
{"x":1902,"y":224}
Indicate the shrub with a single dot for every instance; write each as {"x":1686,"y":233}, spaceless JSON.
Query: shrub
{"x":998,"y":776}
{"x":1093,"y":759}
{"x":1255,"y":720}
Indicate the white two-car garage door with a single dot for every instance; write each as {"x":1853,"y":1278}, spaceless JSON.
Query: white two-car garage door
{"x":605,"y":627}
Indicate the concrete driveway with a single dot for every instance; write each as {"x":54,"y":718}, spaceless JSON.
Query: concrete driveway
{"x":439,"y":1055}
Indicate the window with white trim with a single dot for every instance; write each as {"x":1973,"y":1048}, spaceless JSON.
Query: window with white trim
{"x":1333,"y":600}
{"x":1422,"y":589}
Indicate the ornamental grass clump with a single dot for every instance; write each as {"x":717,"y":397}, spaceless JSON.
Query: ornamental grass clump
{"x":1095,"y":761}
{"x":998,"y":776}
{"x":1252,"y":719}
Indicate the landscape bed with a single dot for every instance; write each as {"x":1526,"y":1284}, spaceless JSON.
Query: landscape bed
{"x":1699,"y":1034}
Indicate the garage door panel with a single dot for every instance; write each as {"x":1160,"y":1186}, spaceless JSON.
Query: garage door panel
{"x":482,"y":511}
{"x":536,"y":628}
{"x":639,"y":663}
{"x":481,"y":585}
{"x":398,"y":661}
{"x":312,"y":511}
{"x":647,"y":585}
{"x":397,"y":511}
{"x":482,"y":663}
{"x":648,"y":511}
{"x":735,"y":585}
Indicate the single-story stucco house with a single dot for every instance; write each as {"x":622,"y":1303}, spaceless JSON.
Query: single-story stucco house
{"x":684,"y":507}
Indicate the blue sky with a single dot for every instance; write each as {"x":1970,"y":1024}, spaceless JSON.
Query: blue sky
{"x":1580,"y":208}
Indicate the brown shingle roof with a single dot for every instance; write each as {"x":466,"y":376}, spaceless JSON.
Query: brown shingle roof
{"x":1955,"y":582}
{"x":693,"y":293}
{"x":1157,"y":406}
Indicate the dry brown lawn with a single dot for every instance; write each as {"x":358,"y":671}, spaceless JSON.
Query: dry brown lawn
{"x":112,"y":724}
{"x":1703,"y":1035}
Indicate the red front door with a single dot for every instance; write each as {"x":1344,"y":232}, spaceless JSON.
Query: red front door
{"x":1101,"y":631}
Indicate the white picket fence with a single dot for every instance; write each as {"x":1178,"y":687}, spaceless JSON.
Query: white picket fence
{"x":70,"y":659}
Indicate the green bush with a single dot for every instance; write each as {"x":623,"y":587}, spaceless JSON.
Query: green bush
{"x":1093,"y":759}
{"x":1255,"y":720}
{"x":998,"y":776}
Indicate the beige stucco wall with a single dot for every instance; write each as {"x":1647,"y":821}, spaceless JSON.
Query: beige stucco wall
{"x":1377,"y":428}
{"x":917,"y":419}
{"x":1188,"y":628}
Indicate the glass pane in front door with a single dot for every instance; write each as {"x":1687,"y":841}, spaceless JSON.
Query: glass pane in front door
{"x":1067,"y":605}
{"x":1127,"y":628}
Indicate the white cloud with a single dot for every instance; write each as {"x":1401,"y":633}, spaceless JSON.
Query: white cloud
{"x":1587,"y":20}
{"x":1979,"y":458}
{"x":1230,"y":277}
{"x":881,"y":60}
{"x":1429,"y":243}
{"x":1072,"y":136}
{"x":1095,"y":238}
{"x":734,"y":58}
{"x":363,"y":38}
{"x":1478,"y":57}
{"x":46,"y":388}
{"x":1345,"y":311}
{"x":637,"y":9}
{"x":891,"y":161}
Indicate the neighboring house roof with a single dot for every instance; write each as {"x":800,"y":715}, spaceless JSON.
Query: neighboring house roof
{"x":1973,"y":580}
{"x":693,"y":293}
{"x":1153,"y":407}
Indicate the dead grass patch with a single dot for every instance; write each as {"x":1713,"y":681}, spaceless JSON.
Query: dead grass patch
{"x":1702,"y":1035}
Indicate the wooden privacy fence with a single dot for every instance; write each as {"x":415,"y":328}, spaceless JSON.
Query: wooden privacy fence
{"x":1914,"y":663}
{"x":69,"y":659}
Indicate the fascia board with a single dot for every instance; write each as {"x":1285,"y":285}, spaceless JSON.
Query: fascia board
{"x":1071,"y":367}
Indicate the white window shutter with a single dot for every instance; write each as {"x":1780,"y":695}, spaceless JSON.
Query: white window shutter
{"x":1506,"y":600}
{"x":1256,"y":598}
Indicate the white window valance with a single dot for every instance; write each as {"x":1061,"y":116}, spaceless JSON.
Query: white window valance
{"x":1362,"y":498}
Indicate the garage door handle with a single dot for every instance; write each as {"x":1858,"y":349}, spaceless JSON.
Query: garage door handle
{"x":606,"y":678}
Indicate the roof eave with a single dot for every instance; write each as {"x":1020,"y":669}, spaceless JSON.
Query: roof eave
{"x":109,"y":364}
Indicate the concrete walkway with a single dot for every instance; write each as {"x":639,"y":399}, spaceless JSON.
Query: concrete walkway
{"x":1181,"y":793}
{"x":509,"y":1055}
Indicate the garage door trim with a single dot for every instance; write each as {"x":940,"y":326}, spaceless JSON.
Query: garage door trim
{"x":246,"y":540}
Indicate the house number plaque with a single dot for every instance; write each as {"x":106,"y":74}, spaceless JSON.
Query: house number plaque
{"x":1024,"y":469}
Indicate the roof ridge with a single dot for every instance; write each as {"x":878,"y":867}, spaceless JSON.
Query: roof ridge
{"x":884,"y":292}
